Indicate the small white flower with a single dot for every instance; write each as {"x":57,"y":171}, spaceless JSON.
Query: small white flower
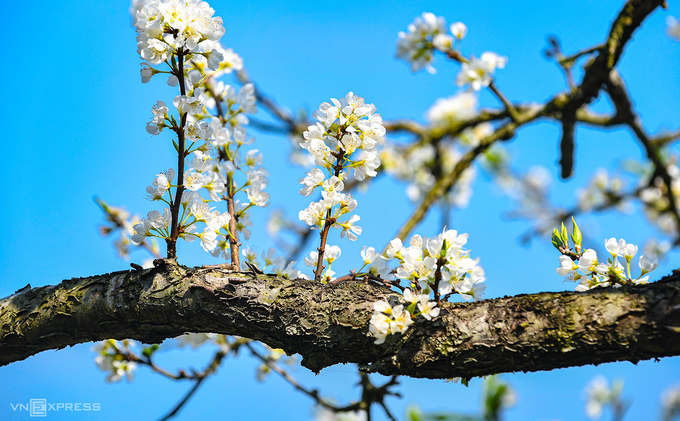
{"x":312,"y":259}
{"x":331,"y":253}
{"x":588,"y":261}
{"x":478,"y":72}
{"x":647,"y":265}
{"x":447,"y":112}
{"x":428,"y":309}
{"x":628,"y":251}
{"x":146,"y":72}
{"x":615,"y":247}
{"x":369,"y":255}
{"x":382,"y":306}
{"x":214,"y":59}
{"x":567,"y":266}
{"x":410,"y":296}
{"x":458,"y":30}
{"x":349,"y":228}
{"x":414,"y":46}
{"x":442,"y":42}
{"x":313,"y":179}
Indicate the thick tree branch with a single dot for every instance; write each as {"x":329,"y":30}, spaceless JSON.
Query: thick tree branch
{"x":329,"y":324}
{"x":597,"y":72}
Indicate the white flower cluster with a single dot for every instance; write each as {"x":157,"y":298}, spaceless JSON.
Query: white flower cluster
{"x":217,"y":165}
{"x":210,"y":137}
{"x":110,"y":358}
{"x":388,"y":319}
{"x":478,"y":72}
{"x":165,"y":27}
{"x":345,"y":127}
{"x":121,"y":222}
{"x":428,"y":33}
{"x":330,"y":255}
{"x":196,"y":340}
{"x":343,"y":139}
{"x":155,"y":224}
{"x":612,"y":273}
{"x":420,"y":165}
{"x":605,"y":189}
{"x":439,"y":264}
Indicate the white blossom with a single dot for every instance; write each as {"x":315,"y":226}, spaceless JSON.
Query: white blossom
{"x":478,"y":72}
{"x":415,"y":45}
{"x":458,"y":30}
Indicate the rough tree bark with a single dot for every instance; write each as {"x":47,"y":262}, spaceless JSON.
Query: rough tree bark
{"x":329,"y":324}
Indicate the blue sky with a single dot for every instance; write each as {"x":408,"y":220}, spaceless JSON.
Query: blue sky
{"x":74,"y":128}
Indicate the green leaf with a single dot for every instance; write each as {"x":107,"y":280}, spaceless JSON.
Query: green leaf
{"x":576,"y":236}
{"x":556,"y":239}
{"x":565,"y":236}
{"x":149,"y":350}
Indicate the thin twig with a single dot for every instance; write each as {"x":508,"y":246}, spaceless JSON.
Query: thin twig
{"x":184,"y":400}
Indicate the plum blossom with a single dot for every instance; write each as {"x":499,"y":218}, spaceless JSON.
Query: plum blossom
{"x":458,"y":30}
{"x":478,"y":72}
{"x":161,"y":184}
{"x":586,"y":269}
{"x":415,"y":45}
{"x":343,"y":138}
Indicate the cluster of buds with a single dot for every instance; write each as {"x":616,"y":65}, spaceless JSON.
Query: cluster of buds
{"x":585,"y":268}
{"x":166,"y":27}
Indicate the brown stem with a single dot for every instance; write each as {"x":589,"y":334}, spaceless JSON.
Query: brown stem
{"x":234,"y":244}
{"x":437,"y":279}
{"x":508,"y":105}
{"x":174,"y":233}
{"x":322,"y":246}
{"x":329,"y":220}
